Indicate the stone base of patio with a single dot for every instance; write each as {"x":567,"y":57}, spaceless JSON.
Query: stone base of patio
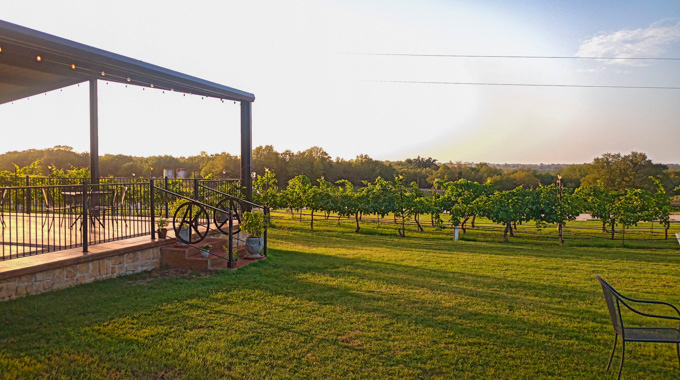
{"x":62,"y":269}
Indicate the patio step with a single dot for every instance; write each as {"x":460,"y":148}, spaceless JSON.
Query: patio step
{"x":190,"y":257}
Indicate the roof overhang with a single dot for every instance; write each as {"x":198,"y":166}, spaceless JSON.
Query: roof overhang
{"x":63,"y":63}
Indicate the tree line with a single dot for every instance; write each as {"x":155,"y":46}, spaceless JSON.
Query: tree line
{"x":614,"y":170}
{"x":457,"y":203}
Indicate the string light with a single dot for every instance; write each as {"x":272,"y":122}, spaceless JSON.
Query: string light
{"x":103,"y":73}
{"x":151,"y":85}
{"x":73,"y":66}
{"x":38,"y":58}
{"x":128,"y":79}
{"x":0,"y":49}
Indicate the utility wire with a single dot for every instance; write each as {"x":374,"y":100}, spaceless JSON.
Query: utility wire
{"x":517,"y":56}
{"x":529,"y":85}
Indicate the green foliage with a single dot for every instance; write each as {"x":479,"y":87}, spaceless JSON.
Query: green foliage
{"x":296,"y":192}
{"x":550,"y":207}
{"x":506,"y":207}
{"x":162,"y":223}
{"x":267,"y":190}
{"x":339,"y":305}
{"x":253,"y":222}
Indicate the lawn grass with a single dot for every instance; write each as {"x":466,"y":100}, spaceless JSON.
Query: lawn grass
{"x":335,"y":304}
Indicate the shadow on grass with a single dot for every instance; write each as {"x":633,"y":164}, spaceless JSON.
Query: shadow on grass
{"x":461,"y":308}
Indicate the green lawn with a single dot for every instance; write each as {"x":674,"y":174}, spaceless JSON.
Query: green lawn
{"x":335,"y":304}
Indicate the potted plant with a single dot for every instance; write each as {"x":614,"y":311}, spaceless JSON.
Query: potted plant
{"x":253,"y":223}
{"x":205,"y":251}
{"x":226,"y":252}
{"x":162,"y":224}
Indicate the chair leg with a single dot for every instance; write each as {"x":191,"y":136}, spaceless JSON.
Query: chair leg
{"x":616,"y":339}
{"x":677,"y":349}
{"x":623,"y":355}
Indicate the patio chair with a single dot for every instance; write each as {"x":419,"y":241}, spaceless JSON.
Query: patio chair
{"x":119,"y":204}
{"x":614,"y":301}
{"x":51,"y":208}
{"x":2,"y":208}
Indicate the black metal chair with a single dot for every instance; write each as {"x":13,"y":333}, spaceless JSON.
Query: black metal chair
{"x":51,"y":208}
{"x":614,"y":301}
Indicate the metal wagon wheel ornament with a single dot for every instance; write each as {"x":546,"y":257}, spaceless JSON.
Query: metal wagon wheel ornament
{"x":190,"y":216}
{"x":221,"y":218}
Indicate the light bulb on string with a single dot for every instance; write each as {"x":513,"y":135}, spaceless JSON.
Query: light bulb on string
{"x":73,"y":66}
{"x":38,"y":58}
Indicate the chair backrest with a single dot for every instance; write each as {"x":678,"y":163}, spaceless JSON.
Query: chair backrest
{"x":47,"y":194}
{"x":121,"y":199}
{"x":612,"y":299}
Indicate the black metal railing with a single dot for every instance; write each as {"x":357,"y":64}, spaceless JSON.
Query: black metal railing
{"x":192,"y":219}
{"x":61,"y":213}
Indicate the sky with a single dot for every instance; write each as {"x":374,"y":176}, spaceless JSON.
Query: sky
{"x":320,"y":77}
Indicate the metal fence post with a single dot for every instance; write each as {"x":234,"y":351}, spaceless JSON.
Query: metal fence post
{"x":231,"y":240}
{"x":195,"y":188}
{"x":84,"y":217}
{"x":27,"y":209}
{"x":167,"y":208}
{"x":153,"y":208}
{"x":266,"y":223}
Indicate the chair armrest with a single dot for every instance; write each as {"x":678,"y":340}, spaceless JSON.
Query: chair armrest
{"x":649,"y":302}
{"x":647,"y":314}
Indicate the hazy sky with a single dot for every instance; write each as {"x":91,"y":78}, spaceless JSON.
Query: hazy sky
{"x":300,"y":60}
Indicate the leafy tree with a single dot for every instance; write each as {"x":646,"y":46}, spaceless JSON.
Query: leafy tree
{"x":554,"y":208}
{"x":349,"y":202}
{"x":506,"y":207}
{"x":661,"y":207}
{"x":617,"y":172}
{"x":632,"y":208}
{"x":328,"y":196}
{"x":464,"y":197}
{"x":296,"y":192}
{"x":379,"y":197}
{"x":267,"y":189}
{"x":600,"y":202}
{"x":402,"y":206}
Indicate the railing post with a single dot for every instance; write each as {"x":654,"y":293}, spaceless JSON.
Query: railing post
{"x":153,"y":208}
{"x":195,"y":188}
{"x":27,"y":209}
{"x":84,"y":217}
{"x":167,"y":207}
{"x":231,"y":240}
{"x":266,"y":223}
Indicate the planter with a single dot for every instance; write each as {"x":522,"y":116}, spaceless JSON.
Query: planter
{"x":162,"y":233}
{"x":185,"y":234}
{"x":254,"y":246}
{"x":205,"y":253}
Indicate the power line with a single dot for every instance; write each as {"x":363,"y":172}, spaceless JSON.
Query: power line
{"x":517,"y":56}
{"x":530,"y":85}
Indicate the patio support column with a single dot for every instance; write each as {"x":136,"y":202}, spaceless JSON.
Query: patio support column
{"x":246,"y":150}
{"x":94,"y":133}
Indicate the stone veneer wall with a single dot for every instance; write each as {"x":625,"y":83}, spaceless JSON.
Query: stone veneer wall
{"x":82,"y":273}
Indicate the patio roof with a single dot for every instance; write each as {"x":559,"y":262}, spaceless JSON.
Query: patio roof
{"x":32,"y":62}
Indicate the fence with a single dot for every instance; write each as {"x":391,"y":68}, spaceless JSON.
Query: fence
{"x":63,"y":213}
